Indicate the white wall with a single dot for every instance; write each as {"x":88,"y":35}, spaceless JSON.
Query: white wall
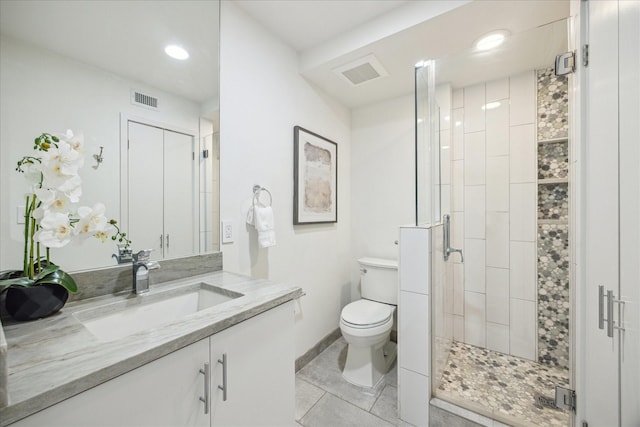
{"x":46,"y":92}
{"x":262,"y":98}
{"x":382,"y":179}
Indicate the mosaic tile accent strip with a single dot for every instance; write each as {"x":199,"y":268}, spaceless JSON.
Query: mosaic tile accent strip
{"x":553,"y":238}
{"x":553,"y":201}
{"x":553,"y":294}
{"x":553,"y":160}
{"x":553,"y":105}
{"x":506,"y":387}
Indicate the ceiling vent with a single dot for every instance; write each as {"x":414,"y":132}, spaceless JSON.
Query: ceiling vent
{"x":361,"y":70}
{"x":143,"y":100}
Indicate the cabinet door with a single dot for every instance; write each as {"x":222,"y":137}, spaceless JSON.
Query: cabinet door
{"x":612,"y":241}
{"x":260,"y":380}
{"x":145,"y":177}
{"x":164,"y":392}
{"x":179,"y":195}
{"x":629,"y":101}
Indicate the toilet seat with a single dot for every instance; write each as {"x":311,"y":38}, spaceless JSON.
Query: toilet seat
{"x":365,"y":314}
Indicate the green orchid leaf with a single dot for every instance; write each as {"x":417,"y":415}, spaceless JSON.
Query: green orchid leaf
{"x":18,"y":281}
{"x":46,"y":271}
{"x":61,"y":278}
{"x":7,"y":274}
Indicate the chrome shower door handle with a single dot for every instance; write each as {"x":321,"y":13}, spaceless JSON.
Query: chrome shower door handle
{"x":446,"y":239}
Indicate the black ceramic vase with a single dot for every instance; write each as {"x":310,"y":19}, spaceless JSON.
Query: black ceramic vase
{"x":35,"y":302}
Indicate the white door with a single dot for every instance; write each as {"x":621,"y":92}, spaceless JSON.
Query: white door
{"x":610,"y":368}
{"x":629,"y":124}
{"x":145,"y":177}
{"x":161,"y":176}
{"x":179,"y":185}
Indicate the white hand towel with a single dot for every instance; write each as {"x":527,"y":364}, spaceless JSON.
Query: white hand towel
{"x":264,"y":223}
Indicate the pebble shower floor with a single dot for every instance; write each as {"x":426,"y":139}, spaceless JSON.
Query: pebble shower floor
{"x":505,"y":387}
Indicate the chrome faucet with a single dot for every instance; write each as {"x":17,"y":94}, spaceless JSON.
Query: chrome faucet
{"x":141,"y":267}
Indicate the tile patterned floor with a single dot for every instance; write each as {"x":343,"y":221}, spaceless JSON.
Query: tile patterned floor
{"x":323,"y":398}
{"x":491,"y":383}
{"x":503,"y":385}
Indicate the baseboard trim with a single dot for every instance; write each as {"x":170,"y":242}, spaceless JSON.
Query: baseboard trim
{"x":317,"y":349}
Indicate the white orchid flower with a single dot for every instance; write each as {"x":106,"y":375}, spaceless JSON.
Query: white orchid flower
{"x":33,"y":174}
{"x":72,"y":188}
{"x":76,"y":141}
{"x":50,"y":200}
{"x":60,"y":163}
{"x":55,"y":230}
{"x":92,"y":222}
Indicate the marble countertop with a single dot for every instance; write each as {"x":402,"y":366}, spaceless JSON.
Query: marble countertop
{"x":52,"y":359}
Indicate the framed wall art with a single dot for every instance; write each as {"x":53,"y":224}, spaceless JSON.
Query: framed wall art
{"x":315,"y":178}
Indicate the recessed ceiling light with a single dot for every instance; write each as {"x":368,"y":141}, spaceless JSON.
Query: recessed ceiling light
{"x":176,"y":52}
{"x":490,"y":105}
{"x":491,"y":40}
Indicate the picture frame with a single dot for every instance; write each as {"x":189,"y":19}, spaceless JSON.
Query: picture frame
{"x":315,"y":178}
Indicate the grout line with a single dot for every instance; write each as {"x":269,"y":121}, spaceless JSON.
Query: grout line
{"x":364,"y":410}
{"x":324,"y":392}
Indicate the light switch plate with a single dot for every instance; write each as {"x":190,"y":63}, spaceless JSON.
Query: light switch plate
{"x":227,"y":231}
{"x":20,"y":214}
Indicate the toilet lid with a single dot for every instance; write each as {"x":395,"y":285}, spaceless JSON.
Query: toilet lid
{"x":366,"y":313}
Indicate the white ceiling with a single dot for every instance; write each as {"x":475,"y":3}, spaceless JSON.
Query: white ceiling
{"x":304,"y":24}
{"x":128,"y":37}
{"x":537,"y":27}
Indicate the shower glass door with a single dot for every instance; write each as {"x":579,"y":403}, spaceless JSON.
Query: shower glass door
{"x":500,"y":323}
{"x":427,"y":147}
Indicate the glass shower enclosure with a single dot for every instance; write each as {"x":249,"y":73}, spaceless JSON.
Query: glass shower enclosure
{"x":493,"y":154}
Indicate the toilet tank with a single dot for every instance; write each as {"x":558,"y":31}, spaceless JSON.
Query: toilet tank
{"x":379,"y":280}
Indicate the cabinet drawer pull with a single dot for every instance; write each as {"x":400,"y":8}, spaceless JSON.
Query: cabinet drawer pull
{"x":207,"y":378}
{"x":223,"y":387}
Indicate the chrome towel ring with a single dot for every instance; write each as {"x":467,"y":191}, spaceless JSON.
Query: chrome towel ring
{"x":257,"y":191}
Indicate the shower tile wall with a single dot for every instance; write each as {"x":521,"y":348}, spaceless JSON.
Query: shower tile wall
{"x":553,"y":216}
{"x":209,"y":189}
{"x":494,"y":198}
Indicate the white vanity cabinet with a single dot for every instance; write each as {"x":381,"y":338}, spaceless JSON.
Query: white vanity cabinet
{"x":164,"y":392}
{"x":260,"y":380}
{"x":260,"y":383}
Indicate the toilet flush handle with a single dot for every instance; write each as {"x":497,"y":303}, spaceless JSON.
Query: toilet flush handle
{"x":363,"y":270}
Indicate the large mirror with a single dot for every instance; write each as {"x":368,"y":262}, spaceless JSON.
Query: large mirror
{"x":150,"y":122}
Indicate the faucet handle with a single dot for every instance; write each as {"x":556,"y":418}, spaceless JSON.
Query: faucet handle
{"x":142,"y":255}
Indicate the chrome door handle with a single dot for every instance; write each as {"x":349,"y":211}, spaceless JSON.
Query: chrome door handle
{"x":223,"y":387}
{"x":207,"y":386}
{"x":610,"y":321}
{"x":167,"y":241}
{"x":601,"y":307}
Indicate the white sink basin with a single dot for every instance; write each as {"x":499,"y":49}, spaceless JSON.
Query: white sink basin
{"x":118,"y":320}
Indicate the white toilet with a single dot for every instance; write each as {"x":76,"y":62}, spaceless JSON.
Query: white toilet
{"x":366,"y":323}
